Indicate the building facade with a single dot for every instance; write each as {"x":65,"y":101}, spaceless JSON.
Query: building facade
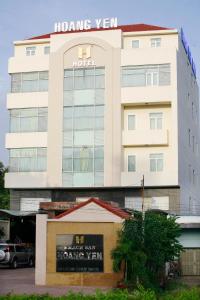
{"x":93,"y":111}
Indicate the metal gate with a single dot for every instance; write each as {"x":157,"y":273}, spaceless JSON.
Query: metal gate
{"x":190,"y":262}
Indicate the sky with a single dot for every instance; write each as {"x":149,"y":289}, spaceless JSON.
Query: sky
{"x":21,"y":19}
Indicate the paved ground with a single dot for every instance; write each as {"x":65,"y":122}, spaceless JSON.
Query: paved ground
{"x":21,"y":281}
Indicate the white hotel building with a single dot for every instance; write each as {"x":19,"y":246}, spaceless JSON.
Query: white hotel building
{"x":93,"y":111}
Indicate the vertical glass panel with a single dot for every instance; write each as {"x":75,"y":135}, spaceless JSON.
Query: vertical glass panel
{"x":42,"y":124}
{"x":98,"y":179}
{"x":67,"y":138}
{"x":84,"y":97}
{"x":155,"y":78}
{"x":156,"y":162}
{"x":68,"y":179}
{"x":100,"y":82}
{"x":29,"y":85}
{"x":29,"y":124}
{"x":99,"y":137}
{"x":84,"y":167}
{"x":84,"y":123}
{"x":99,"y":96}
{"x":14,"y":124}
{"x":131,"y":163}
{"x":68,"y":84}
{"x":83,"y":138}
{"x":99,"y":123}
{"x":131,"y":122}
{"x":68,"y":98}
{"x":83,"y":179}
{"x":152,"y":165}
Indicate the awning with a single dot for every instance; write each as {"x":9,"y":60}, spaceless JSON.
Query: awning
{"x":17,"y":213}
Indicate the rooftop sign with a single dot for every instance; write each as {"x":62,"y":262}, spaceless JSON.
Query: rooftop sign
{"x":85,"y":24}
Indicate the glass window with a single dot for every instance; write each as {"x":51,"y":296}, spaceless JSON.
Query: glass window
{"x":135,"y":44}
{"x":28,"y":119}
{"x":149,"y":203}
{"x":27,"y":160}
{"x":29,"y":82}
{"x":30,"y":51}
{"x":156,"y":120}
{"x":155,"y":42}
{"x":43,"y":80}
{"x":16,"y":81}
{"x":83,"y":123}
{"x":156,"y":162}
{"x":46,"y":49}
{"x":131,"y":122}
{"x":131,"y":163}
{"x":147,"y":75}
{"x":152,"y":77}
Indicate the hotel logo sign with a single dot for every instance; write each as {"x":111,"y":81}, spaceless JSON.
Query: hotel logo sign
{"x":84,"y":53}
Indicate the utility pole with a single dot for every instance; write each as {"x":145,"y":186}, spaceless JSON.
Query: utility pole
{"x":142,"y":184}
{"x":143,"y":211}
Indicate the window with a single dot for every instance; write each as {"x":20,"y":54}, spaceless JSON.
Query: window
{"x":151,"y":78}
{"x":149,"y":203}
{"x":135,"y":44}
{"x":84,"y":79}
{"x":28,"y":119}
{"x":29,"y":82}
{"x":156,"y":120}
{"x":147,"y":75}
{"x":30,"y":51}
{"x":131,"y":122}
{"x":46,"y":49}
{"x":83,"y":127}
{"x":27,"y":160}
{"x":131,"y":163}
{"x":155,"y":42}
{"x":156,"y":162}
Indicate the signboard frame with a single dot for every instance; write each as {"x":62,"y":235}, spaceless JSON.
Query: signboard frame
{"x":80,"y":253}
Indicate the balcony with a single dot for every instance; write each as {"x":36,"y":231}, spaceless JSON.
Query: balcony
{"x":148,"y":95}
{"x":149,"y":137}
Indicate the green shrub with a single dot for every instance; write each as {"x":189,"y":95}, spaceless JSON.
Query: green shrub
{"x":186,"y":294}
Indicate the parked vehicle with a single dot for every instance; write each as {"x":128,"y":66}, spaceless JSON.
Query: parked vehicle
{"x":16,"y":255}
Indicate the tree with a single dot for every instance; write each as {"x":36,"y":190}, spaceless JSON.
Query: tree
{"x":144,"y":246}
{"x":4,"y":193}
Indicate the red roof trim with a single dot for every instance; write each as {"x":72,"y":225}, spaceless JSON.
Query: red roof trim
{"x":117,"y":211}
{"x":124,"y":28}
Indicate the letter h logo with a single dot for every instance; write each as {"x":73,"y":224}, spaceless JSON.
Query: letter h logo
{"x":84,"y":53}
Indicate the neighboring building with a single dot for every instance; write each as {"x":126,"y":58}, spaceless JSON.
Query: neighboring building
{"x":91,"y":112}
{"x":190,"y":240}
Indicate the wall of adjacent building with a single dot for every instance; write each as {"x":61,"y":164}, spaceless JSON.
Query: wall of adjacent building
{"x":188,"y":119}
